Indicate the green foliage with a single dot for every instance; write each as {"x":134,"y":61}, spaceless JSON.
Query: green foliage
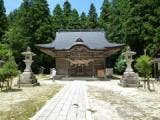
{"x":42,"y":29}
{"x":10,"y":68}
{"x":135,"y":23}
{"x":104,"y":16}
{"x":57,"y":18}
{"x":4,"y":52}
{"x":83,"y":21}
{"x":120,"y":65}
{"x":114,"y":15}
{"x":17,"y":39}
{"x":66,"y":14}
{"x":92,"y":17}
{"x":19,"y":35}
{"x":3,"y":20}
{"x":67,"y":8}
{"x":7,"y":72}
{"x":31,"y":24}
{"x":74,"y":20}
{"x":143,"y":66}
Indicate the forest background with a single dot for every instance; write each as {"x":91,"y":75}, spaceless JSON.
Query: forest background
{"x":131,"y":22}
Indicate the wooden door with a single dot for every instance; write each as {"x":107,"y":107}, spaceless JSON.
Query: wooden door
{"x":80,"y":70}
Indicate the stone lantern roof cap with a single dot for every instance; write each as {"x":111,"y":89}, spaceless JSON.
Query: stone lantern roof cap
{"x":28,"y":52}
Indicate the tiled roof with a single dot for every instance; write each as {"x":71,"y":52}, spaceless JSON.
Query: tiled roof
{"x":91,"y":38}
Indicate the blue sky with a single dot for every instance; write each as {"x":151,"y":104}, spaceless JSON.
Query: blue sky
{"x":80,"y":5}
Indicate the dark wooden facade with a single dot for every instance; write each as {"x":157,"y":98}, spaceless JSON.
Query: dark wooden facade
{"x":79,"y":59}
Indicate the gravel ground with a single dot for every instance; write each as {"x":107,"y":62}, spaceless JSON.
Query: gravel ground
{"x":108,"y":101}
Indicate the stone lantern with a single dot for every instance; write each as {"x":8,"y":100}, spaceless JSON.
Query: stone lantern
{"x":128,"y":57}
{"x":27,"y":77}
{"x":129,"y":78}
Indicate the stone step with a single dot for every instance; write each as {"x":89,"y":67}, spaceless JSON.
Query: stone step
{"x":80,"y":78}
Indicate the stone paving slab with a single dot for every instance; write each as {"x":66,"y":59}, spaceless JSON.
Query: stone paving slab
{"x":71,"y":103}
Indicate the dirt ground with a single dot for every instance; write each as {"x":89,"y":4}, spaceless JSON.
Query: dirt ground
{"x":20,"y":104}
{"x":109,"y":101}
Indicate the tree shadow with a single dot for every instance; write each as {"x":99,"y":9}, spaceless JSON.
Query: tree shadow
{"x":12,"y":90}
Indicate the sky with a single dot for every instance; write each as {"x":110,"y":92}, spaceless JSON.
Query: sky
{"x":80,"y":5}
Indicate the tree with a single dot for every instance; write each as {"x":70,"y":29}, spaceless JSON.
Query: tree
{"x":43,"y":31}
{"x":92,"y":17}
{"x":83,"y":21}
{"x":144,"y":68}
{"x":115,"y":15}
{"x":11,"y":17}
{"x":9,"y":69}
{"x":67,"y":8}
{"x":151,"y":25}
{"x":134,"y":23}
{"x":19,"y":34}
{"x":133,"y":27}
{"x":66,"y":13}
{"x":57,"y":18}
{"x":3,"y":19}
{"x":4,"y":52}
{"x":32,"y":25}
{"x":104,"y":15}
{"x":74,"y":20}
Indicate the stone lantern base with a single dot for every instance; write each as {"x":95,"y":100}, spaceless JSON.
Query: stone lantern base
{"x":28,"y":79}
{"x":129,"y":79}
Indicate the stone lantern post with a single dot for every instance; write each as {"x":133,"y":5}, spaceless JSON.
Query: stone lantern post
{"x":27,"y":77}
{"x":128,"y":57}
{"x":129,"y":78}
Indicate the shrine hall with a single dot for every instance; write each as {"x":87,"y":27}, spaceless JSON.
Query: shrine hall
{"x":80,"y":52}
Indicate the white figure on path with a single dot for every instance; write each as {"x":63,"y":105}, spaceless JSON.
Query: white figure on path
{"x":53,"y":73}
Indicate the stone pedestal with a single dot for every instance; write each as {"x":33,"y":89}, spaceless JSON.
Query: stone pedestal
{"x":28,"y":79}
{"x":129,"y":79}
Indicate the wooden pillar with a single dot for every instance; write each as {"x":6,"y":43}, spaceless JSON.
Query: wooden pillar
{"x":104,"y":68}
{"x":93,"y":68}
{"x":155,"y":75}
{"x":66,"y":66}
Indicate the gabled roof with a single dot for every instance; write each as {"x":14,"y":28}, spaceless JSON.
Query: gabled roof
{"x":93,"y":39}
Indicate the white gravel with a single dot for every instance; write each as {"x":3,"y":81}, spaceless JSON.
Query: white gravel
{"x":109,"y":101}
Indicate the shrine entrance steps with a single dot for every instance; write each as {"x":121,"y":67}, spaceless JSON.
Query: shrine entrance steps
{"x":80,"y":78}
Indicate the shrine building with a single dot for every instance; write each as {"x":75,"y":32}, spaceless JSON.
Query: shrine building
{"x":80,"y":52}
